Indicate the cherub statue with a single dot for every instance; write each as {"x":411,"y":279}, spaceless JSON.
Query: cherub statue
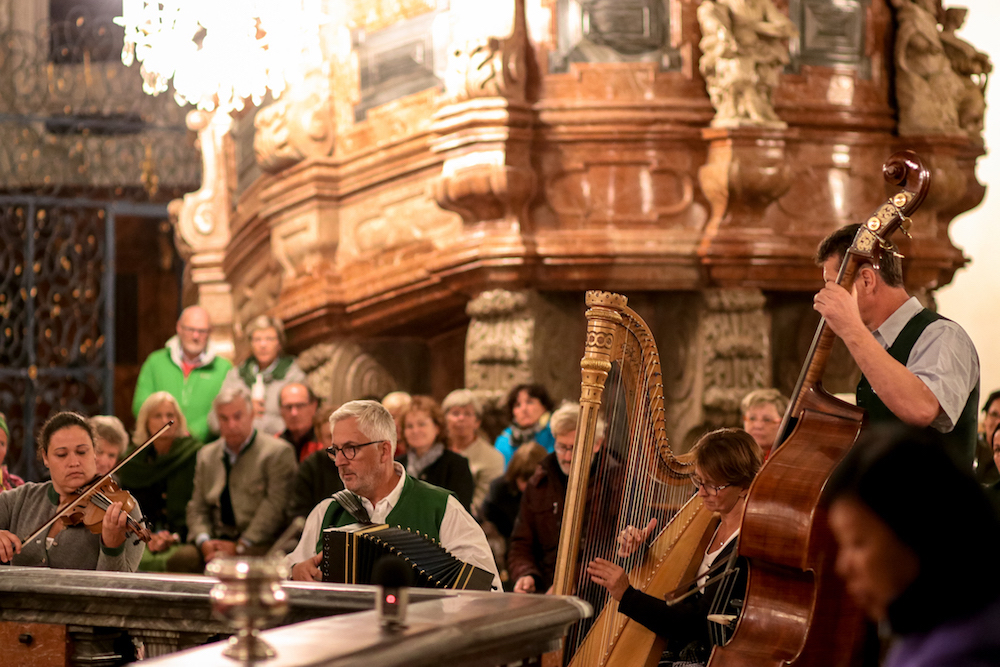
{"x":927,"y":88}
{"x":972,"y":66}
{"x":744,"y":47}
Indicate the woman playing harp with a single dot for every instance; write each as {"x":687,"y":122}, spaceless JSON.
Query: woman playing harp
{"x":725,"y":461}
{"x":622,"y":383}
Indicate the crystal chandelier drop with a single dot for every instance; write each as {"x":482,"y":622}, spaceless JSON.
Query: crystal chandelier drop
{"x":219,"y":53}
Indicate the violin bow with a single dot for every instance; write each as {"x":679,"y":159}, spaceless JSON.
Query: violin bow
{"x":95,"y":485}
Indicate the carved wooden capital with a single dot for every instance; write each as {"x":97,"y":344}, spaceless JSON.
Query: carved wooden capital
{"x":488,"y":66}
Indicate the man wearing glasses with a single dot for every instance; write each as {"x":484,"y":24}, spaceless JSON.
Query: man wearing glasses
{"x":364,"y":444}
{"x":188,"y":369}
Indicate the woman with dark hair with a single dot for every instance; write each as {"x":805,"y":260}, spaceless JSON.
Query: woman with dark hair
{"x":66,"y":446}
{"x":725,"y":463}
{"x":907,"y":557}
{"x":427,"y":458}
{"x":529,"y":408}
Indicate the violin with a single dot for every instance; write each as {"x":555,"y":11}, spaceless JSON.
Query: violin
{"x":90,"y":512}
{"x":95,"y":499}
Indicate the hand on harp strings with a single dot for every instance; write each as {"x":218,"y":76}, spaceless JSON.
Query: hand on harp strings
{"x":631,"y":538}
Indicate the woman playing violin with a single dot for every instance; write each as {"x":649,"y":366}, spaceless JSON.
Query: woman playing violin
{"x":725,"y":463}
{"x":67,"y":449}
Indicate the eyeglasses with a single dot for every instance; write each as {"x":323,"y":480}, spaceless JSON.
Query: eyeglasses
{"x":192,"y":330}
{"x":709,"y":489}
{"x":349,"y":451}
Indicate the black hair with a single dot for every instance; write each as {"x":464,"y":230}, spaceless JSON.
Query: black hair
{"x":534,"y":391}
{"x":58,"y":422}
{"x":994,"y":396}
{"x":906,"y":477}
{"x":837,"y":243}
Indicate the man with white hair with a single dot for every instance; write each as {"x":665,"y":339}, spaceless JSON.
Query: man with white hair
{"x":364,"y":445}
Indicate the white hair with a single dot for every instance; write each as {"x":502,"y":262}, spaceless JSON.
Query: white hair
{"x":373,"y":420}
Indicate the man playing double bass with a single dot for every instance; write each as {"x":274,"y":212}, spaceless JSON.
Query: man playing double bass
{"x":918,"y":368}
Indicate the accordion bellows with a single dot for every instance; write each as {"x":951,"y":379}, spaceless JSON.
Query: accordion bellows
{"x":350,"y":557}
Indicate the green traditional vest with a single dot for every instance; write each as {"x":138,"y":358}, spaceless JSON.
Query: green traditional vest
{"x":420,"y":508}
{"x":961,"y":440}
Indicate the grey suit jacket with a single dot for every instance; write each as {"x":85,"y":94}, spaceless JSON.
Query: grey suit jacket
{"x":260,"y":486}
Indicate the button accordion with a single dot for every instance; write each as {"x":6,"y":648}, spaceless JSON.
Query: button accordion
{"x":350,"y":557}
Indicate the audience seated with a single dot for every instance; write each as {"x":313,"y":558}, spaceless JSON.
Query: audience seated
{"x":110,"y":441}
{"x":762,"y":411}
{"x":985,"y":467}
{"x":188,"y":369}
{"x":265,"y":372}
{"x":503,"y":502}
{"x":463,"y":417}
{"x":298,"y":408}
{"x":161,"y":478}
{"x":534,"y":542}
{"x":242,"y":485}
{"x":318,"y":478}
{"x":905,"y":556}
{"x":363,"y":450}
{"x":397,"y":403}
{"x":426,"y":458}
{"x":528,"y":407}
{"x":8,"y":480}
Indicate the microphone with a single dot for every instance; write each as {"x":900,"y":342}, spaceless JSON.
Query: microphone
{"x":393,"y":577}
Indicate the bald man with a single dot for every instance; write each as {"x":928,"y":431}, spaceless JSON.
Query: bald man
{"x":188,"y":369}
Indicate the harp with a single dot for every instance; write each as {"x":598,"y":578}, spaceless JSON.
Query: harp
{"x":637,"y":477}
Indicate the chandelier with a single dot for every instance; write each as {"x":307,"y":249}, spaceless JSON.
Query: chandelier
{"x":219,"y":53}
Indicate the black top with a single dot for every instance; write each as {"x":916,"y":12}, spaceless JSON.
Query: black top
{"x":317,"y":480}
{"x":450,"y":472}
{"x":685,"y":625}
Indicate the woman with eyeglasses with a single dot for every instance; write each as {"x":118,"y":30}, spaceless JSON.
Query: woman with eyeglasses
{"x":725,"y":463}
{"x":762,"y":410}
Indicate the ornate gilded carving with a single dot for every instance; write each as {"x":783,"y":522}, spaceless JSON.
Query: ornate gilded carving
{"x":744,"y":47}
{"x":297,"y":126}
{"x":499,"y":342}
{"x":927,"y":88}
{"x":485,"y":131}
{"x":201,"y":221}
{"x":342,"y":371}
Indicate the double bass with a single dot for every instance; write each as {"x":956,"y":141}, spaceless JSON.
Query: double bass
{"x":795,"y":610}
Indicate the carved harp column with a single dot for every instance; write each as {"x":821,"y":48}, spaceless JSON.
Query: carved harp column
{"x":601,"y":347}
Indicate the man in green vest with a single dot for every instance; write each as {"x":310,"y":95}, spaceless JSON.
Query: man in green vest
{"x":364,"y":445}
{"x":918,"y":368}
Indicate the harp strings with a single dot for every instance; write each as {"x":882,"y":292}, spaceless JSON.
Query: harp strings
{"x":629,"y":484}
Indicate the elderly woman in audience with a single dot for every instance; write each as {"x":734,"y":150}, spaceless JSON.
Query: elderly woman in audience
{"x":265,"y":372}
{"x":318,"y":477}
{"x":762,"y":410}
{"x":66,"y":446}
{"x":463,"y":416}
{"x":7,"y":480}
{"x":427,"y":458}
{"x":529,"y":408}
{"x":905,"y":557}
{"x":110,"y":439}
{"x":161,"y":477}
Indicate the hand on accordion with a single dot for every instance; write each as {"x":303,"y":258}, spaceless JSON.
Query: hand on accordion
{"x":631,"y":538}
{"x":308,"y":570}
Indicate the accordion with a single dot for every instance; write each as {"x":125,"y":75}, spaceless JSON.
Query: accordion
{"x":350,"y":557}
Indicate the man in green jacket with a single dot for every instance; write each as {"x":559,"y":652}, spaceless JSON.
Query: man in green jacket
{"x":188,"y":369}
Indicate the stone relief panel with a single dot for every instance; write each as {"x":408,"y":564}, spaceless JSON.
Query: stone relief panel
{"x":402,"y":216}
{"x":831,"y":34}
{"x":499,"y":344}
{"x":343,"y":371}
